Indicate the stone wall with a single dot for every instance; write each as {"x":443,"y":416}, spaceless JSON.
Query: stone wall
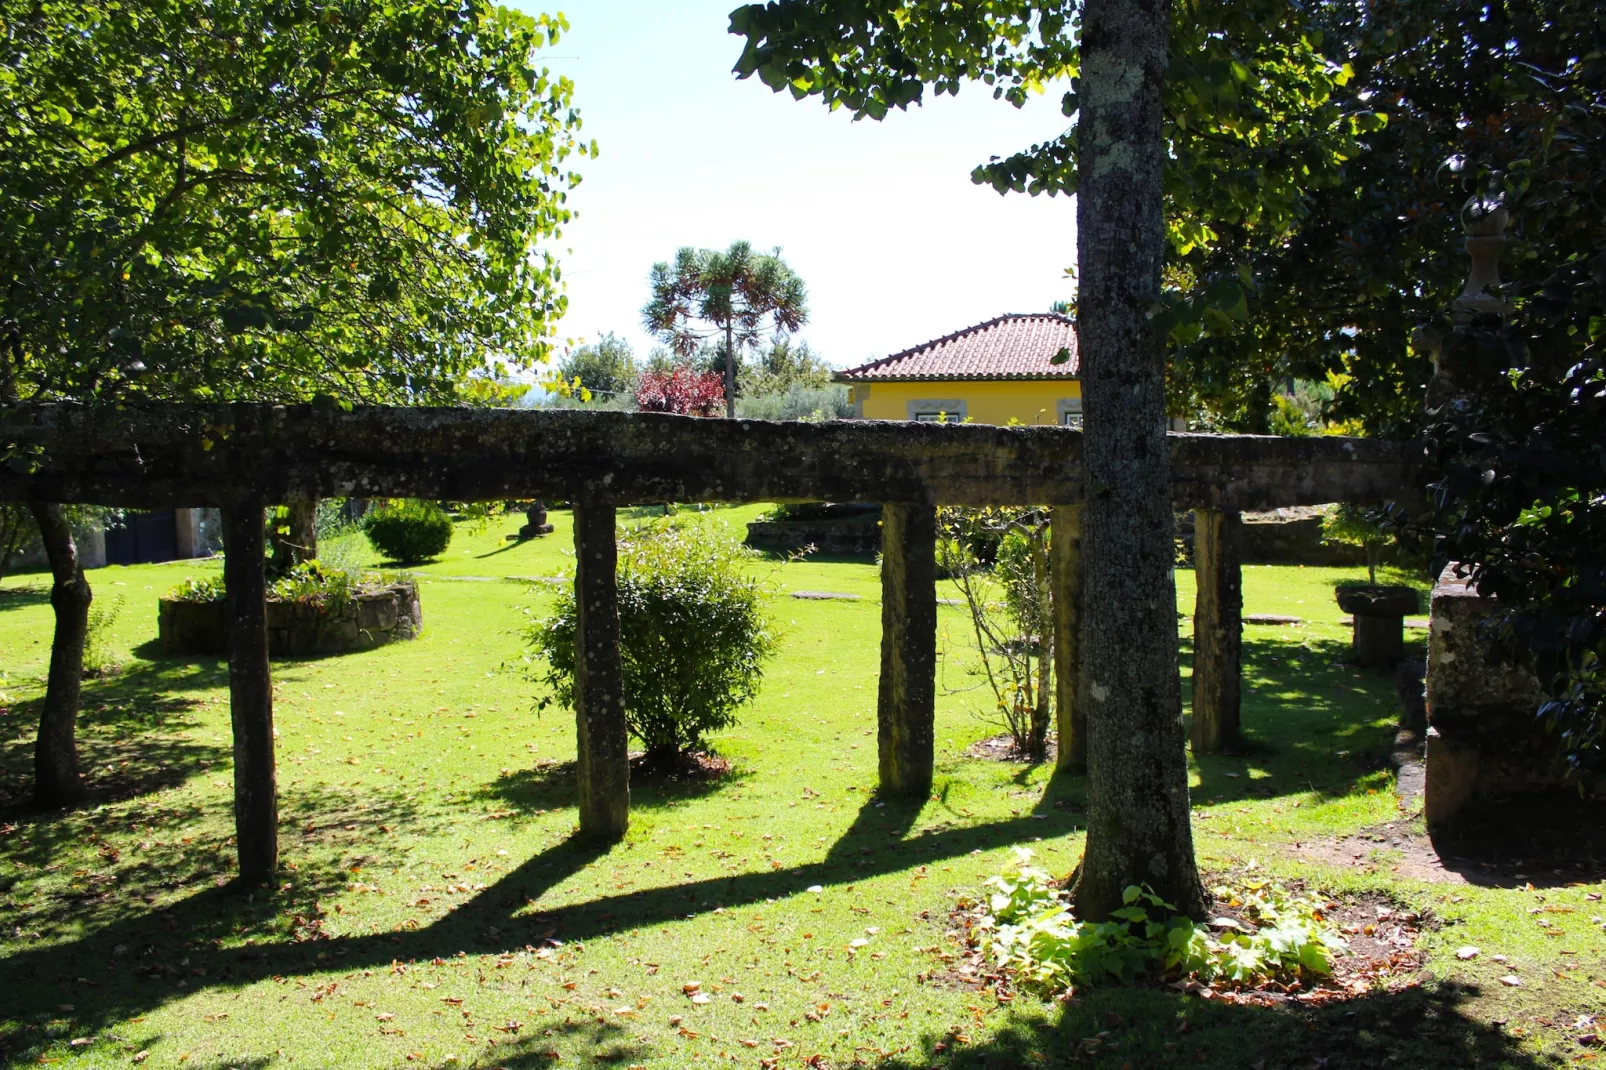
{"x":1484,"y":741}
{"x":298,"y":629}
{"x":1293,"y":537}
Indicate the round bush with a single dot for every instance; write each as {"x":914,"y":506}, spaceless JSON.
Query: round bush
{"x":408,"y":531}
{"x":692,"y":634}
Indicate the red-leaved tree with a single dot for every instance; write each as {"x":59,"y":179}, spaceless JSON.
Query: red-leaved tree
{"x":684,"y":391}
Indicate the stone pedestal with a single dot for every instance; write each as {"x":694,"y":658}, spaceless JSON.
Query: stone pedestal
{"x":536,"y":525}
{"x":1484,"y":742}
{"x":1379,"y":614}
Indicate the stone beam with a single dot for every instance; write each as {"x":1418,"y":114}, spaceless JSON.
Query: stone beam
{"x":173,"y":455}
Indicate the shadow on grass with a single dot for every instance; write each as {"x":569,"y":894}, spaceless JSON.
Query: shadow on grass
{"x":134,"y":735}
{"x":115,"y":888}
{"x":1427,"y":1028}
{"x":1311,"y":723}
{"x":552,"y":785}
{"x":604,"y":1042}
{"x":22,"y":597}
{"x":1545,"y":840}
{"x":817,"y":558}
{"x":507,"y":915}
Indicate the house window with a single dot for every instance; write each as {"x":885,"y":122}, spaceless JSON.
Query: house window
{"x":937,"y":410}
{"x":1070,"y":412}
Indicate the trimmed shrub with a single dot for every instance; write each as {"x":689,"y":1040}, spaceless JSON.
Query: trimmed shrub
{"x":692,"y":630}
{"x":408,"y":531}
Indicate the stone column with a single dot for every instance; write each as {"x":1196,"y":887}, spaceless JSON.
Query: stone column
{"x":603,"y":744}
{"x":906,"y":707}
{"x":256,"y":804}
{"x":1065,"y":548}
{"x":1217,"y":629}
{"x":187,"y":532}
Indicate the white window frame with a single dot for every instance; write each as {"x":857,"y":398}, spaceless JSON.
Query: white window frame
{"x":936,"y":410}
{"x":1070,"y":412}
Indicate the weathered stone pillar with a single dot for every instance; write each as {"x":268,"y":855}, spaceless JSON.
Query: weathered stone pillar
{"x":1217,"y":629}
{"x":256,"y":804}
{"x":295,"y":535}
{"x":1065,"y":549}
{"x":187,"y":532}
{"x":604,"y":756}
{"x":906,"y":709}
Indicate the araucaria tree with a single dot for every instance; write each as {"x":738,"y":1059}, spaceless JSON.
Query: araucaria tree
{"x":872,"y":58}
{"x":268,"y":200}
{"x":727,"y":295}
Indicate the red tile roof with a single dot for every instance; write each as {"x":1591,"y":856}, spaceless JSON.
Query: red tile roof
{"x":1017,"y":346}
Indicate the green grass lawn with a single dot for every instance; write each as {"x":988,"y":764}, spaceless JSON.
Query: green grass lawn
{"x":435,"y":911}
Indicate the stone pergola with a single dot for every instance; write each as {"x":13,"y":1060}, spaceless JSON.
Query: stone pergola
{"x":244,"y":457}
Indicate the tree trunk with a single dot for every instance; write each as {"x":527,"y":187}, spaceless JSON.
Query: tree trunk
{"x":256,"y":803}
{"x":730,"y":372}
{"x":55,"y":756}
{"x":1138,"y":823}
{"x":298,"y":541}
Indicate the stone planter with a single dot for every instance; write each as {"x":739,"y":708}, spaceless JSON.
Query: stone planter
{"x":829,"y":527}
{"x":298,"y":629}
{"x":1379,"y":613}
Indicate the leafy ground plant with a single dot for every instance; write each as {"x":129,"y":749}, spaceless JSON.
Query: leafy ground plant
{"x":1034,"y":936}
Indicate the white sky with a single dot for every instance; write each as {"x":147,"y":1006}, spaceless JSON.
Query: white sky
{"x":880,"y":219}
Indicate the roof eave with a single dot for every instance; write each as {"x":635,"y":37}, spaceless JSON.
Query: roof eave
{"x":841,"y":377}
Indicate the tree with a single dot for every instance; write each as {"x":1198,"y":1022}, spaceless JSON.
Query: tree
{"x":730,"y":294}
{"x":682,"y":390}
{"x":784,"y":364}
{"x":606,"y":367}
{"x":17,"y":533}
{"x":872,"y":58}
{"x":266,"y":200}
{"x":1519,"y":397}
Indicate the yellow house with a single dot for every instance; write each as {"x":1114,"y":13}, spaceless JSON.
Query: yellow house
{"x":1016,"y":368}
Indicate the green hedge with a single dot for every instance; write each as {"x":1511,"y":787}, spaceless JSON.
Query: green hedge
{"x":408,"y":531}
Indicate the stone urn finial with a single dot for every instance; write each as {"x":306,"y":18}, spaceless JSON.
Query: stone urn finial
{"x":1460,"y":368}
{"x":1485,"y":218}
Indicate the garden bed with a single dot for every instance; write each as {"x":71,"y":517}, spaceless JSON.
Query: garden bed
{"x":366,"y":616}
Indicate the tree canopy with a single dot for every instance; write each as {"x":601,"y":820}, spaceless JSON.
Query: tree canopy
{"x":1253,"y":115}
{"x":727,"y":296}
{"x":277,"y":199}
{"x":606,"y":367}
